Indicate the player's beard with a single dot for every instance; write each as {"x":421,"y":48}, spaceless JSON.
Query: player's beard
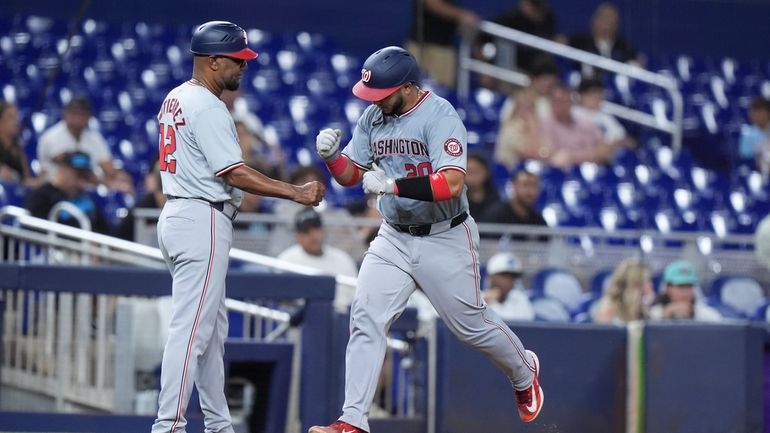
{"x":233,"y":83}
{"x":396,"y":108}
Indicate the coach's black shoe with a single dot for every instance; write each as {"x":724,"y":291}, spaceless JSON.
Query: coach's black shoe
{"x":530,"y":400}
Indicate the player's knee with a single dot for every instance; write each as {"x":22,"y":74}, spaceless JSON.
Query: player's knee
{"x":369,"y":321}
{"x":468,"y":334}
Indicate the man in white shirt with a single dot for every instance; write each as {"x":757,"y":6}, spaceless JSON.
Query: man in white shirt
{"x":71,"y":134}
{"x":311,"y":251}
{"x":505,"y":293}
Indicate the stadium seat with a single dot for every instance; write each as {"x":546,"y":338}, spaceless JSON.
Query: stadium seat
{"x":549,"y":310}
{"x":742,"y":294}
{"x":587,"y":310}
{"x":558,"y":284}
{"x":600,"y":282}
{"x":763,"y":313}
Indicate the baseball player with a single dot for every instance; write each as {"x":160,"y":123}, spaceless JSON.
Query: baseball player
{"x":409,"y":147}
{"x":203,"y":176}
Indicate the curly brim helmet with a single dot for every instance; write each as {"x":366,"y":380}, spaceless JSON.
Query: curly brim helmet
{"x":221,"y":38}
{"x":384,"y":72}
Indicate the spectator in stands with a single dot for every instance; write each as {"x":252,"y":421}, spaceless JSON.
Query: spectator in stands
{"x":628,"y":296}
{"x":482,"y":193}
{"x":521,"y":134}
{"x":255,"y":143}
{"x":604,"y":39}
{"x":755,"y":138}
{"x":678,"y":300}
{"x":505,"y":294}
{"x":530,"y":16}
{"x":153,"y":198}
{"x":13,"y":159}
{"x":69,"y":184}
{"x":311,"y":251}
{"x":521,"y":208}
{"x":569,"y":140}
{"x":72,"y":134}
{"x":591,"y":95}
{"x":431,"y":39}
{"x":543,"y":77}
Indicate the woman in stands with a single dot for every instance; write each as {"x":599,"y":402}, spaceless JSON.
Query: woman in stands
{"x":13,"y":160}
{"x":520,"y":136}
{"x":629,"y":294}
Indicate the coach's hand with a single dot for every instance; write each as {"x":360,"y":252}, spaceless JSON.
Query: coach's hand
{"x":310,"y":194}
{"x":377,"y":182}
{"x":327,"y":143}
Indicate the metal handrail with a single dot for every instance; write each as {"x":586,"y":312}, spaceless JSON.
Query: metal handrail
{"x":24,"y":219}
{"x":65,"y":206}
{"x":671,"y":85}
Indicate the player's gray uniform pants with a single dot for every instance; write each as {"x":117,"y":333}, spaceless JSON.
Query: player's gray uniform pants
{"x":195,"y":240}
{"x":445,"y":266}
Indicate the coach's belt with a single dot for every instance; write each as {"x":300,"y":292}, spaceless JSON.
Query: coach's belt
{"x":426,"y":229}
{"x":225,"y":207}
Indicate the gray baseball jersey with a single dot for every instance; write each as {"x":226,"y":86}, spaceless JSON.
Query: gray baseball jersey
{"x":428,"y":138}
{"x":444,"y":264}
{"x":197,"y":146}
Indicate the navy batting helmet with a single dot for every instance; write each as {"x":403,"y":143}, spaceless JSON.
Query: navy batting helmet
{"x":221,"y":38}
{"x":384,"y":72}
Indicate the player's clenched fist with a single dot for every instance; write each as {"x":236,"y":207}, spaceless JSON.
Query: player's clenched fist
{"x":377,"y":182}
{"x":327,"y":143}
{"x":311,"y":193}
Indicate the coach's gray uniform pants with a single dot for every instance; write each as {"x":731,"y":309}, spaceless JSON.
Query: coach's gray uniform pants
{"x":446,"y":267}
{"x":195,"y":240}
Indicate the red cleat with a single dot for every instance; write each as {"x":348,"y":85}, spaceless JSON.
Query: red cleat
{"x":530,"y":400}
{"x":337,"y":427}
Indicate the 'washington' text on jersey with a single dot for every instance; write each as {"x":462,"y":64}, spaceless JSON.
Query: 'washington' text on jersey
{"x":399,"y":146}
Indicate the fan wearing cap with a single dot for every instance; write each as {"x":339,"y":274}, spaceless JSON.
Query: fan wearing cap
{"x":311,"y":250}
{"x":203,"y":176}
{"x":70,"y":184}
{"x":678,"y":300}
{"x":505,"y":293}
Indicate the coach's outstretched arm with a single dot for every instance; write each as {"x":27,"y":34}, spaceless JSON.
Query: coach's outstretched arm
{"x":249,"y":180}
{"x":327,"y":144}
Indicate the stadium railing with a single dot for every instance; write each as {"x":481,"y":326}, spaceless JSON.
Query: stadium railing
{"x":468,"y":64}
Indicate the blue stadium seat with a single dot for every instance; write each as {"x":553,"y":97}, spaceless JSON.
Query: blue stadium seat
{"x":559,"y":284}
{"x":549,"y":310}
{"x":600,"y":281}
{"x":743,"y":294}
{"x":762,"y":313}
{"x":587,"y":310}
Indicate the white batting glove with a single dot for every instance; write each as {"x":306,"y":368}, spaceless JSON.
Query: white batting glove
{"x":377,"y":182}
{"x":327,"y":143}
